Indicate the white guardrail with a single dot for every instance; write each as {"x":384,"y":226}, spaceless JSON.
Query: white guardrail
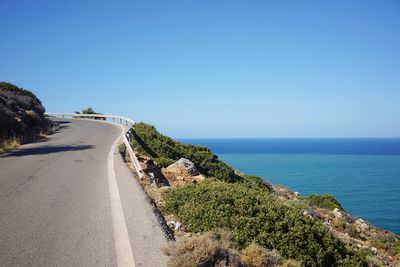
{"x":115,"y":119}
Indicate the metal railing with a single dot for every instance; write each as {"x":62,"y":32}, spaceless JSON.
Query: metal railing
{"x":122,"y":120}
{"x":114,"y":118}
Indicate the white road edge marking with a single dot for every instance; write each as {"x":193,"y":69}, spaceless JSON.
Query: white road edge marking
{"x":121,"y":238}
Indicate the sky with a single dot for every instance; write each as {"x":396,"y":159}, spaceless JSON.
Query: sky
{"x":218,"y":69}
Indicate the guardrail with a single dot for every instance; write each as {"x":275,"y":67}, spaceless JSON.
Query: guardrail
{"x":122,"y":120}
{"x":114,"y":118}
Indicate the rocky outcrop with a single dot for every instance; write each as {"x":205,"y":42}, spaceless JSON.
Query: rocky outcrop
{"x":184,"y":164}
{"x":21,"y":113}
{"x":354,"y":232}
{"x":182,"y":172}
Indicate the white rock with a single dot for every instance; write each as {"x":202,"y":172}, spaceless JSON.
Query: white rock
{"x":337,"y":213}
{"x":185,"y":164}
{"x":178,"y":226}
{"x":297,"y":193}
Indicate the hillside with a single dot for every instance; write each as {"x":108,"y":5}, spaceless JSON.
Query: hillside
{"x":21,"y":116}
{"x":268,"y":223}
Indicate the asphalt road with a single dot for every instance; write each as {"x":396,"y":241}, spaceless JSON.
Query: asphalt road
{"x":69,"y":200}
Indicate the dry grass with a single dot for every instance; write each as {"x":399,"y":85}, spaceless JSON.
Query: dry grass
{"x":373,"y":261}
{"x":196,"y":251}
{"x":257,"y":256}
{"x":209,"y":249}
{"x":217,"y":249}
{"x":9,"y":144}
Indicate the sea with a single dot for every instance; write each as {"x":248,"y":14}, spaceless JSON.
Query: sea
{"x":362,"y":173}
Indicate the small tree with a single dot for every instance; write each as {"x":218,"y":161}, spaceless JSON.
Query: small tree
{"x":89,"y":111}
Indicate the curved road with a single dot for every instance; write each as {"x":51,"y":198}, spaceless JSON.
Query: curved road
{"x":68,"y":200}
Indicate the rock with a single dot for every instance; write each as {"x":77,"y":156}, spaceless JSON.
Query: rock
{"x":152,"y":177}
{"x":182,"y":172}
{"x":178,"y":226}
{"x":337,"y":213}
{"x":362,"y":225}
{"x":175,"y":225}
{"x":297,"y":193}
{"x":185,"y":164}
{"x":171,"y":224}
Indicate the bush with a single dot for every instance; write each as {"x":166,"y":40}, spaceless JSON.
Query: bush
{"x":253,"y":215}
{"x":389,"y":242}
{"x":18,"y":91}
{"x":290,"y":263}
{"x":197,"y":251}
{"x":257,"y":256}
{"x":9,"y":144}
{"x":21,"y":114}
{"x":147,"y":140}
{"x":209,"y":249}
{"x":90,"y":111}
{"x":324,"y":201}
{"x":347,"y":228}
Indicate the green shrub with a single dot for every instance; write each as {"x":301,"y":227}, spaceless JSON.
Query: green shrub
{"x":253,"y":215}
{"x":347,"y":228}
{"x":255,"y":182}
{"x":324,"y":201}
{"x":290,"y":263}
{"x":147,"y":140}
{"x":89,"y":111}
{"x":18,"y":90}
{"x":392,"y":247}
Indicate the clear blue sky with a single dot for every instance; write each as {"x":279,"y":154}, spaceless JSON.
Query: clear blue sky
{"x":213,"y":68}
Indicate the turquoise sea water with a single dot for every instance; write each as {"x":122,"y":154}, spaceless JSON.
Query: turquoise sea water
{"x":364,"y":175}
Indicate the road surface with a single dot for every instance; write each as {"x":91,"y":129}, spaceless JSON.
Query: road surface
{"x":69,"y":200}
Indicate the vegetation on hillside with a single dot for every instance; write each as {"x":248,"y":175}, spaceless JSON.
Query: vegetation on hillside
{"x":254,"y":216}
{"x":323,"y":201}
{"x":216,"y":248}
{"x":21,"y":116}
{"x":165,"y":151}
{"x":269,"y":225}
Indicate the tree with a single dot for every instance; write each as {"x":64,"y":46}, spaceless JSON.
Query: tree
{"x":89,"y":111}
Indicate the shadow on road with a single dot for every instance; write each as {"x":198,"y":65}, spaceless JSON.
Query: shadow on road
{"x":45,"y":150}
{"x":62,"y":124}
